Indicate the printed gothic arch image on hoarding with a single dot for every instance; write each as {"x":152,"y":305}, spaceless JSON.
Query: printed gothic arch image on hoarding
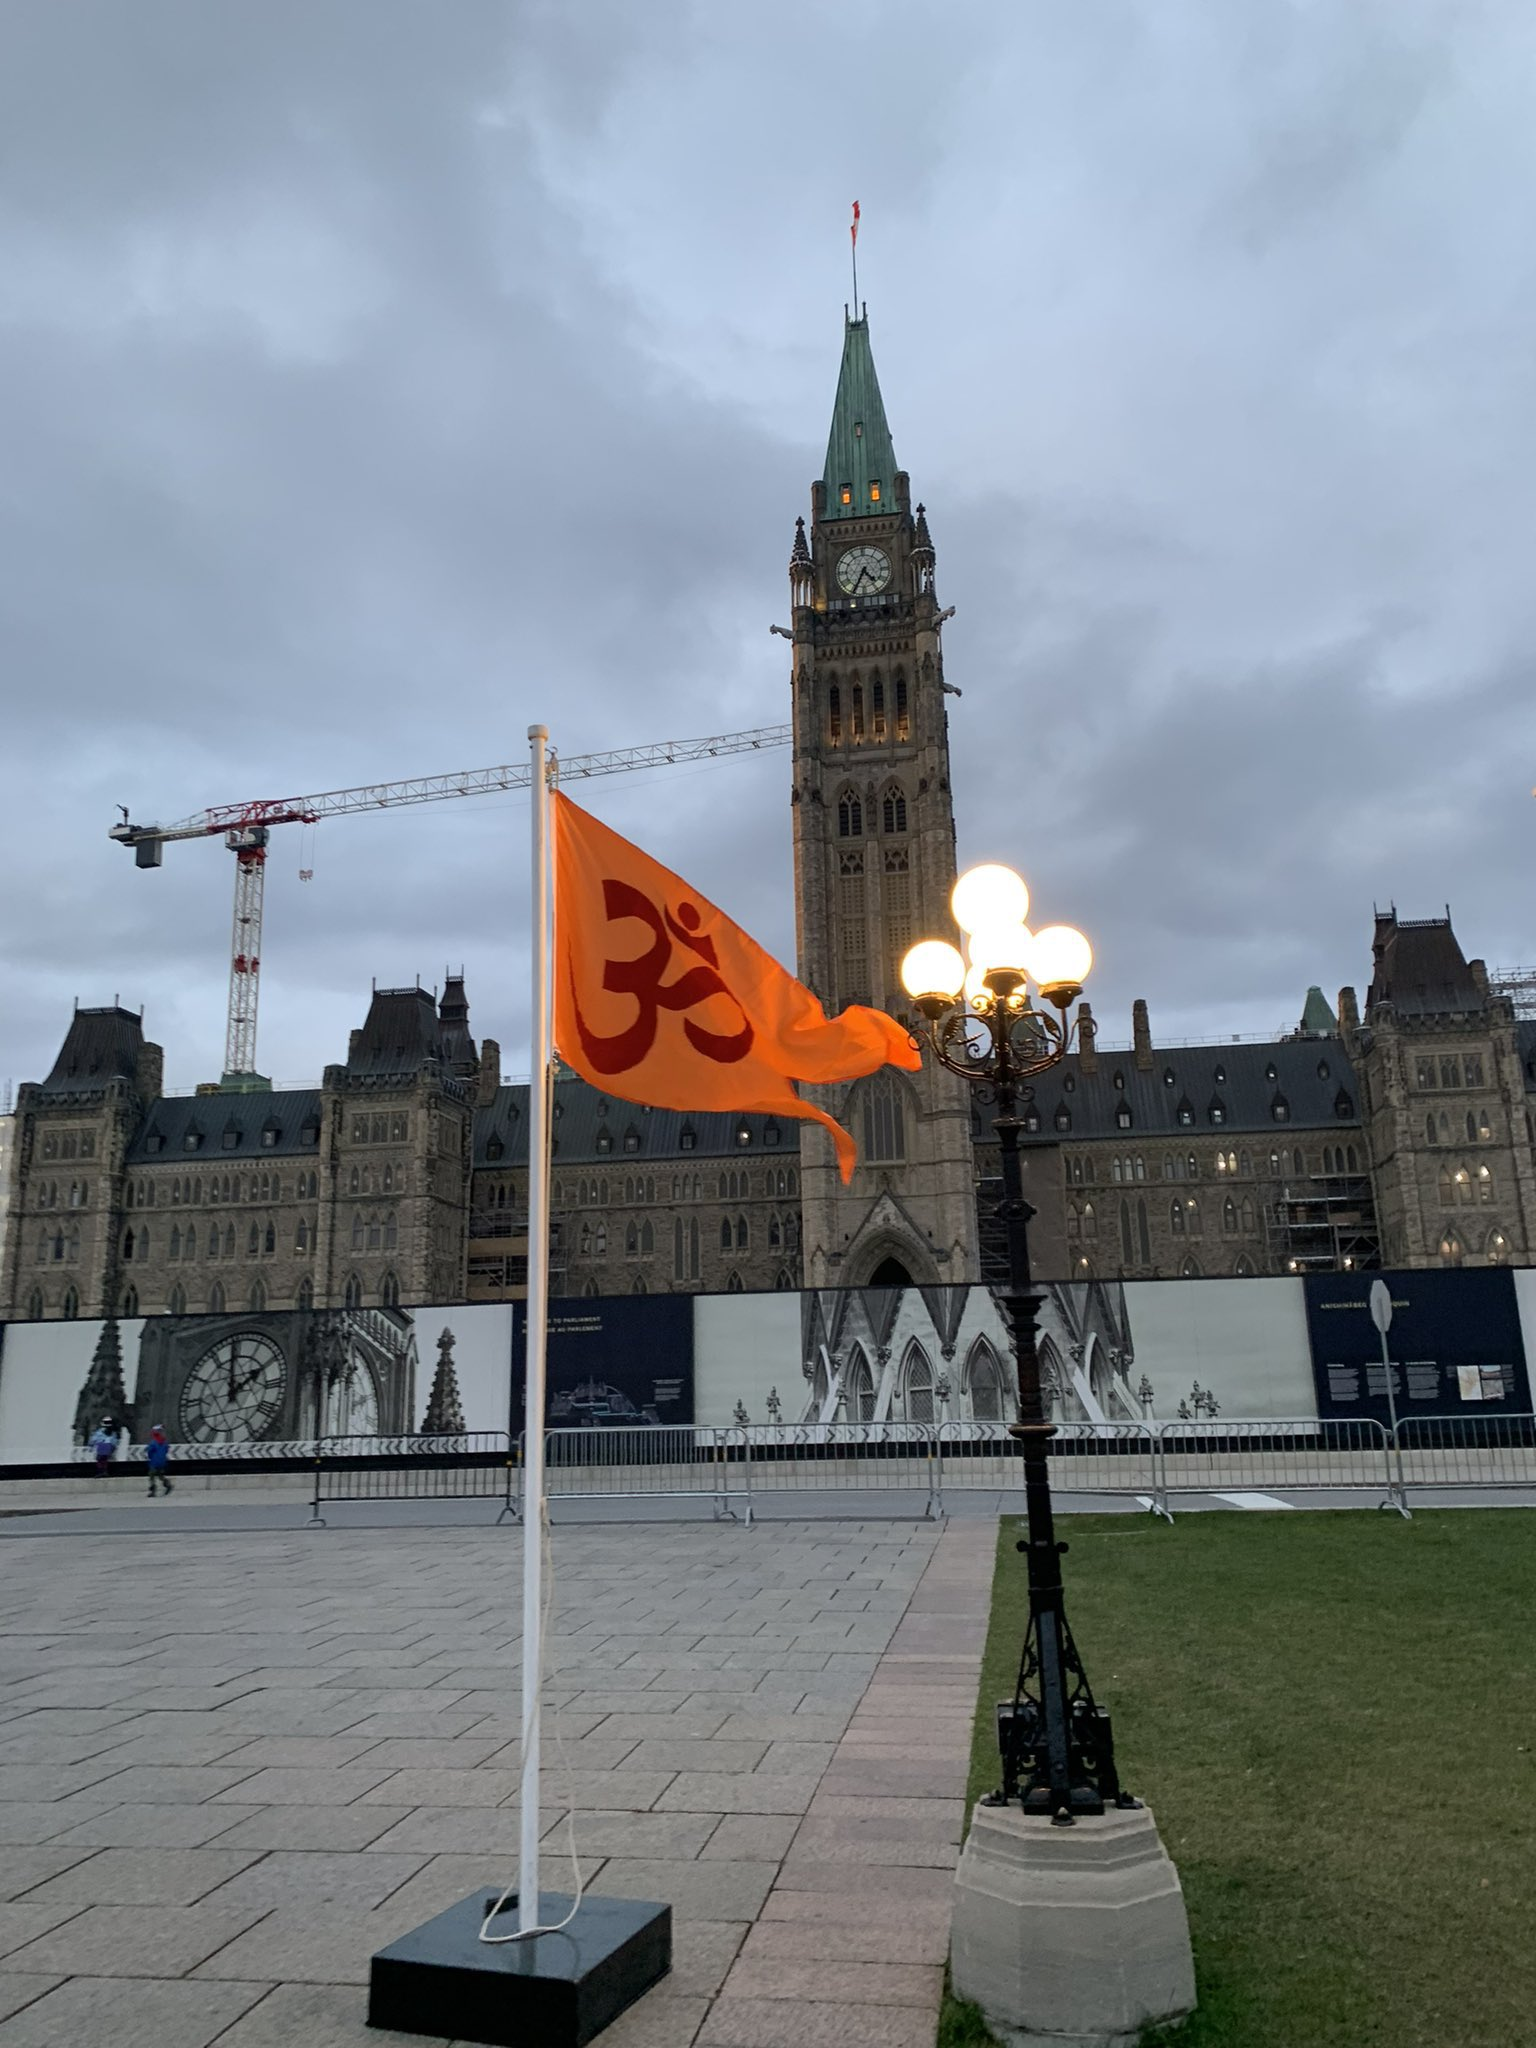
{"x":942,"y":1354}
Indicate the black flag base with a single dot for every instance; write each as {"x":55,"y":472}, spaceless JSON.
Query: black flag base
{"x":559,"y":1990}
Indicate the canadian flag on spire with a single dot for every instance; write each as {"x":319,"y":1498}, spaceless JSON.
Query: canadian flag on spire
{"x":854,"y":229}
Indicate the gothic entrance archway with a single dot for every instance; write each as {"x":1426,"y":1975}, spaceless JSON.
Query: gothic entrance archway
{"x":890,"y":1273}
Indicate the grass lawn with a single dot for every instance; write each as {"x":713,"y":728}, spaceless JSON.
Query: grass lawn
{"x":1333,"y":1717}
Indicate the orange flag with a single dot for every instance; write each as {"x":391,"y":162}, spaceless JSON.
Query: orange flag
{"x":659,"y":998}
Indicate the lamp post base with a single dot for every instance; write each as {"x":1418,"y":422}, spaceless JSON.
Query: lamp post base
{"x":1073,"y":1937}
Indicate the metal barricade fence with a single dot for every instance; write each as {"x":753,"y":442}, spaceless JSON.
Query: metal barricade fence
{"x":1291,"y":1453}
{"x":655,"y":1461}
{"x":468,"y":1465}
{"x":1477,"y":1452}
{"x":845,"y":1458}
{"x":1085,"y":1457}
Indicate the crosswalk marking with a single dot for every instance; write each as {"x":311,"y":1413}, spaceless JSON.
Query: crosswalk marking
{"x":1255,"y":1500}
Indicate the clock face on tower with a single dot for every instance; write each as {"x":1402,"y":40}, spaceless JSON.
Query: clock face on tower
{"x":235,"y":1391}
{"x":863,"y":571}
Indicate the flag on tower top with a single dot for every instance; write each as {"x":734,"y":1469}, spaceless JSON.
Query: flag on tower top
{"x":661,"y":999}
{"x":854,"y":229}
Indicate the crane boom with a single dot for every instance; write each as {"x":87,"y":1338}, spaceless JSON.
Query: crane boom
{"x":247,"y":828}
{"x":427,"y":789}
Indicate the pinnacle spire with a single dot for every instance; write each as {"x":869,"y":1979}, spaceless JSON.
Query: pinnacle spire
{"x":861,"y":463}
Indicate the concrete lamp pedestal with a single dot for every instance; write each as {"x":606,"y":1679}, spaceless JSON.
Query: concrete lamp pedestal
{"x":1070,"y":1937}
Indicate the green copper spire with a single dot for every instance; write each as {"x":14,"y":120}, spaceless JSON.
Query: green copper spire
{"x":860,"y":458}
{"x":1317,"y":1018}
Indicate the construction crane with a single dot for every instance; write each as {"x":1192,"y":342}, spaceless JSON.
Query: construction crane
{"x":246,"y":829}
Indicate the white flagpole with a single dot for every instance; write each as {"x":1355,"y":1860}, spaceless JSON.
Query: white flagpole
{"x":537,"y":1328}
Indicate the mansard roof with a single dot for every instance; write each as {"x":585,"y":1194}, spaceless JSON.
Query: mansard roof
{"x":591,"y":1129}
{"x":100,"y":1046}
{"x":401,"y":1032}
{"x":1420,"y":969}
{"x":1308,"y":1077}
{"x":859,"y":449}
{"x":239,"y":1129}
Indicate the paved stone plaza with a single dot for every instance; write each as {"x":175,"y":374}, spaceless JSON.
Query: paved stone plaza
{"x":233,"y":1766}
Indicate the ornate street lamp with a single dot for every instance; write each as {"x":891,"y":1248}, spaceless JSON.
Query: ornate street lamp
{"x":1055,"y":1741}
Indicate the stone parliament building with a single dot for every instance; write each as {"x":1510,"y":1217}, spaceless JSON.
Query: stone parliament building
{"x":1399,"y":1134}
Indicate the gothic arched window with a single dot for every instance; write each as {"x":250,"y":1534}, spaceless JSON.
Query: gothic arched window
{"x":353,"y":1297}
{"x":850,"y":815}
{"x":389,"y":1291}
{"x":835,"y":714}
{"x":983,"y":1382}
{"x":216,"y":1298}
{"x":177,"y":1305}
{"x":885,"y":1137}
{"x":893,"y":809}
{"x":917,"y":1385}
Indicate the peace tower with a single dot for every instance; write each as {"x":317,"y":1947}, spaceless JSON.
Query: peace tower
{"x":874,"y":837}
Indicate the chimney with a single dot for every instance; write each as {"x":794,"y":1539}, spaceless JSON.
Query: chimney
{"x":1478,"y":969}
{"x":1349,"y":1018}
{"x":354,"y":1047}
{"x":489,"y":1078}
{"x":1087,"y":1039}
{"x":149,"y":1072}
{"x":1141,"y":1035}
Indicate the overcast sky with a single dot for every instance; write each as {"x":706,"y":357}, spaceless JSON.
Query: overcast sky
{"x":376,"y":378}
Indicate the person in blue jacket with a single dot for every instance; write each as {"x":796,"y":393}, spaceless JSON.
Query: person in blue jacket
{"x":157,"y":1454}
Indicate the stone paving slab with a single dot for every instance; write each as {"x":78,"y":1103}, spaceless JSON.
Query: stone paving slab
{"x":92,"y":2012}
{"x":766,"y":1728}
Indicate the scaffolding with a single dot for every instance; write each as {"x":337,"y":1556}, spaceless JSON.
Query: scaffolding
{"x":1518,"y":984}
{"x":1323,"y":1223}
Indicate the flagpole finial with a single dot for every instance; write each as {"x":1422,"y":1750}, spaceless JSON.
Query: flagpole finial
{"x":538,"y":732}
{"x":853,"y":236}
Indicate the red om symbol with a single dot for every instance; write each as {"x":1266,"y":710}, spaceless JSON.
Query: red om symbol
{"x":642,"y":979}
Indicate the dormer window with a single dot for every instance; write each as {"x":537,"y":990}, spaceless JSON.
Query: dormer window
{"x":192,"y":1142}
{"x":1280,"y":1109}
{"x":231,"y":1137}
{"x":1119,"y":1080}
{"x":155,"y":1142}
{"x":874,"y":490}
{"x":604,"y":1141}
{"x":770,"y":1134}
{"x":1123,"y":1116}
{"x":1217,"y":1111}
{"x":845,"y":494}
{"x":1186,"y":1111}
{"x":1063,"y":1118}
{"x":1269,"y":1072}
{"x":270,"y":1133}
{"x":309,"y":1133}
{"x":743,"y":1134}
{"x":1167,"y":1077}
{"x":1220,"y":1076}
{"x":687,"y":1138}
{"x":631,"y":1140}
{"x":494,"y":1147}
{"x":1031,"y":1119}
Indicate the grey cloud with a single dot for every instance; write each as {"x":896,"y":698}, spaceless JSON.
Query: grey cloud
{"x":373,"y":380}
